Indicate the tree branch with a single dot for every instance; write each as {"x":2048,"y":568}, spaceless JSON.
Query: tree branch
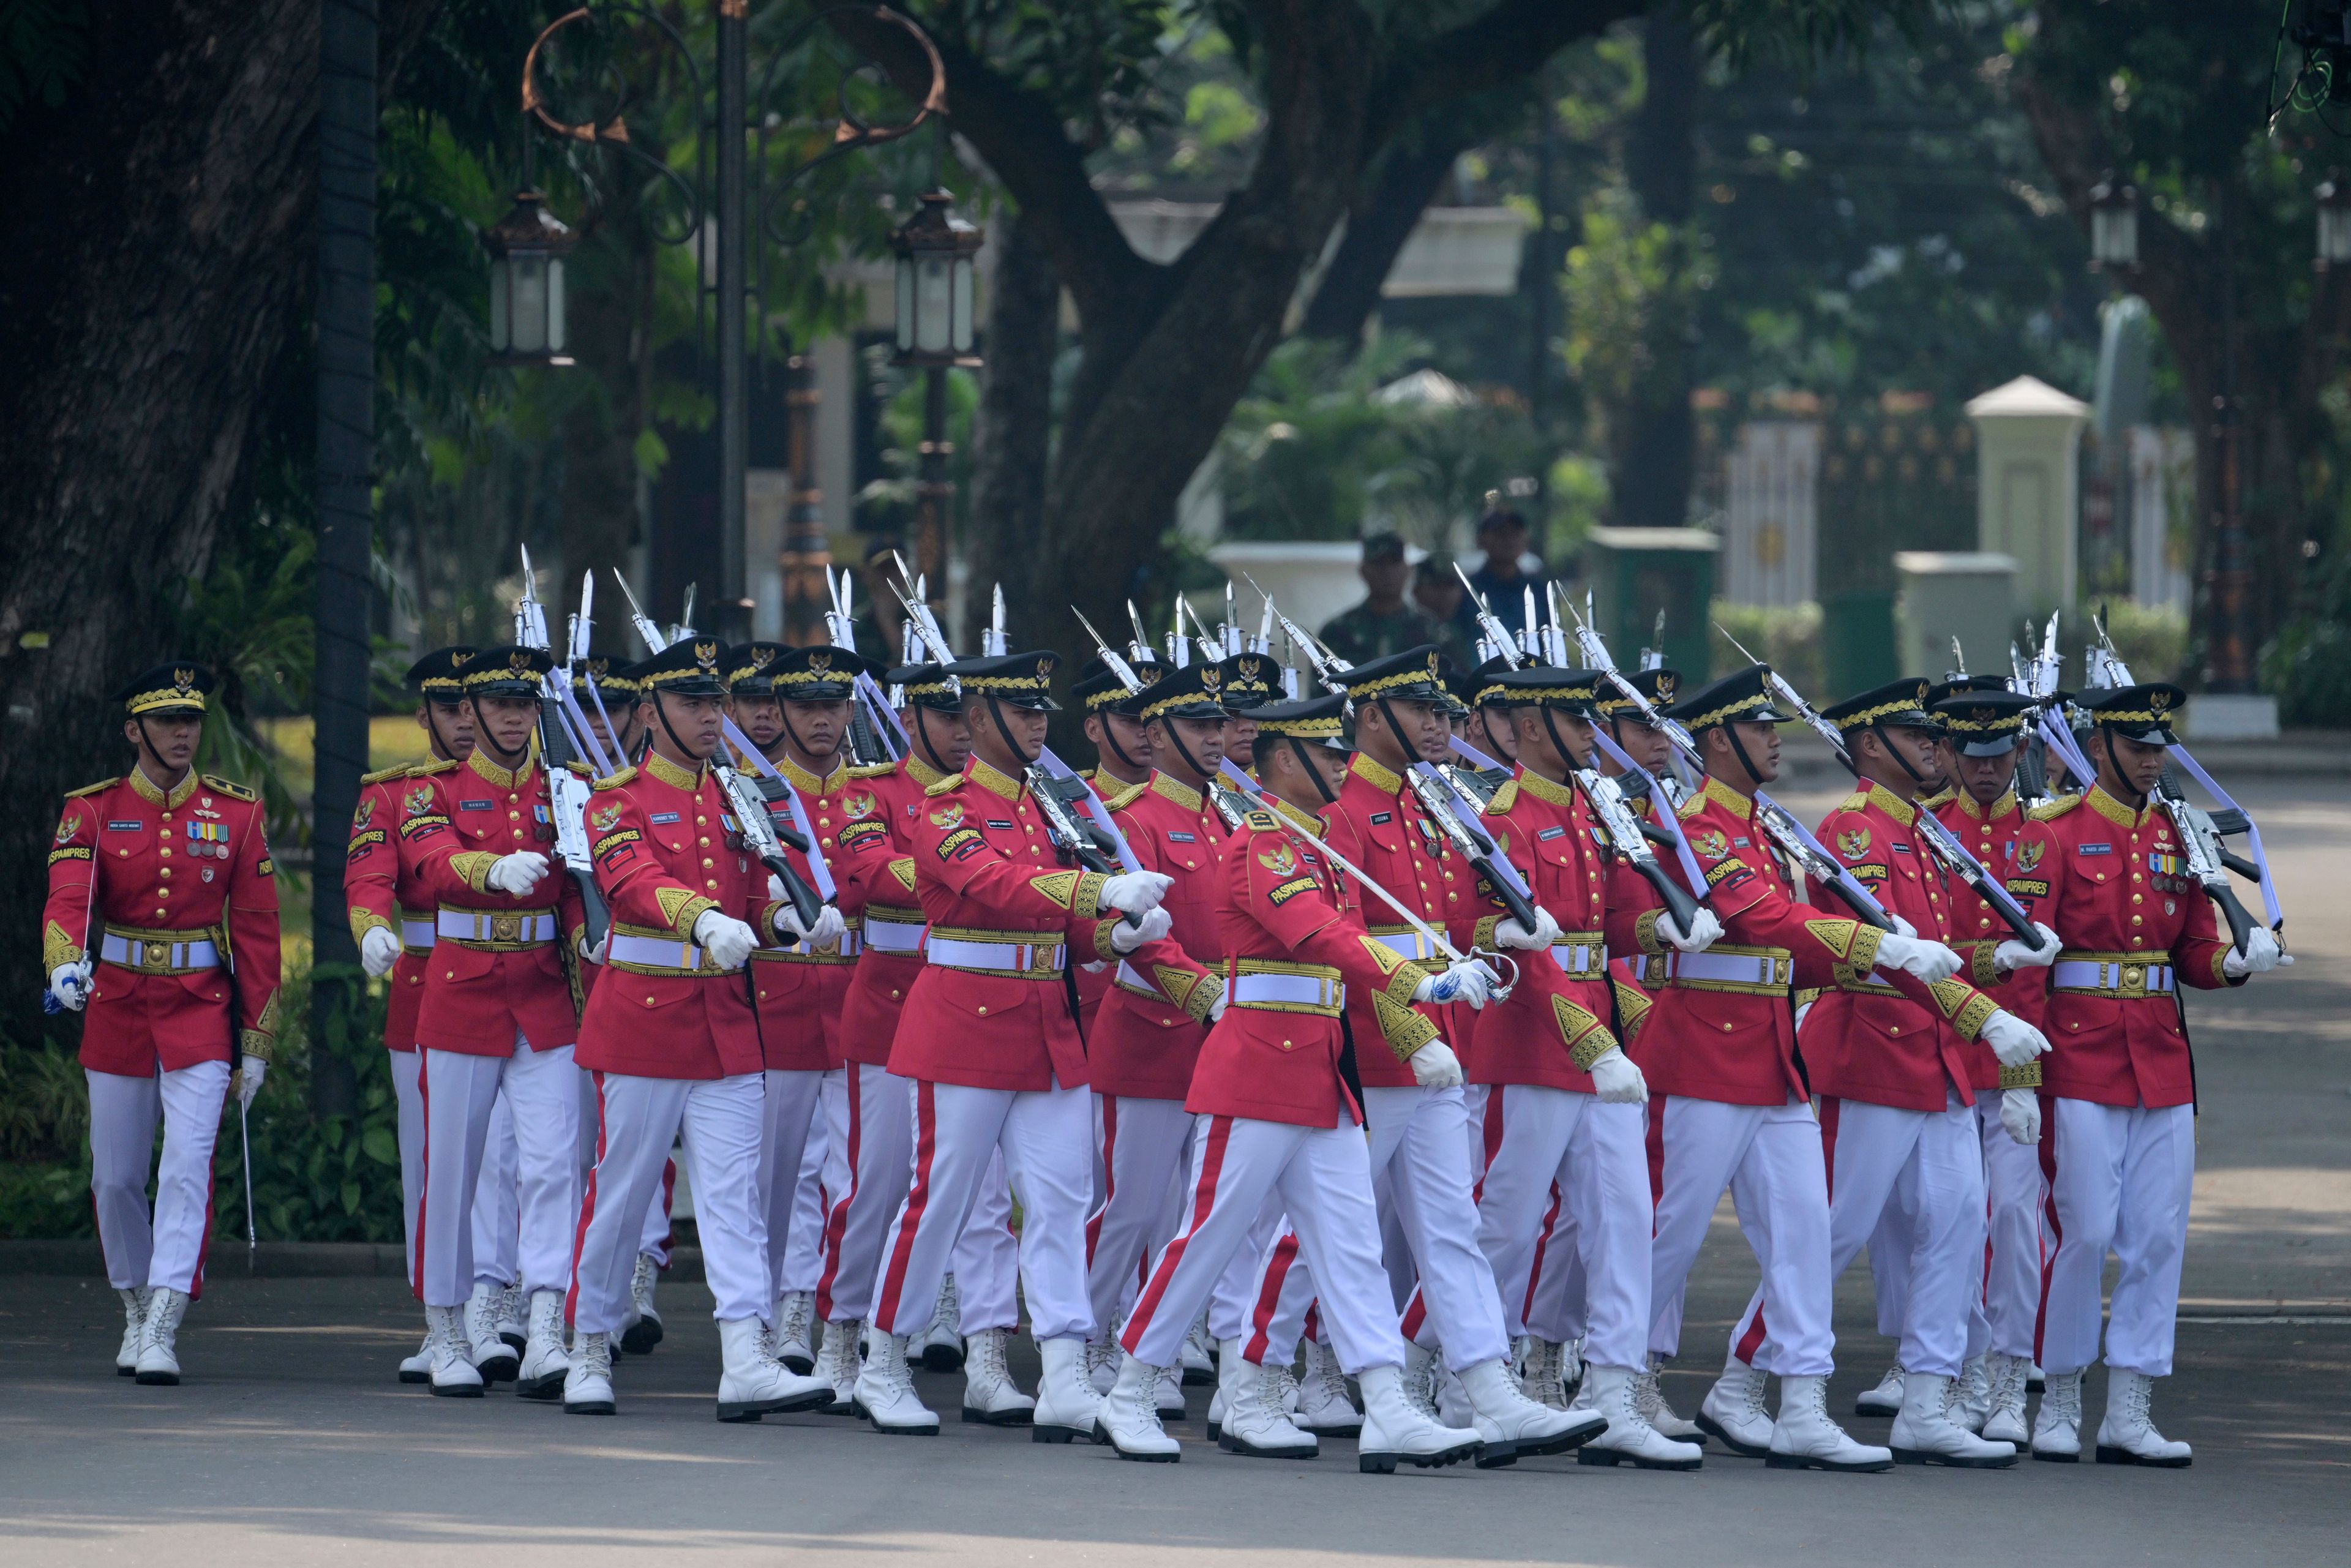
{"x":1500,"y":47}
{"x":1382,"y":218}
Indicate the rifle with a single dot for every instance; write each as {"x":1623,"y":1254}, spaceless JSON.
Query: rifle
{"x":869,"y":740}
{"x":567,"y":793}
{"x":1266,"y":620}
{"x":1938,"y":838}
{"x":1442,"y":804}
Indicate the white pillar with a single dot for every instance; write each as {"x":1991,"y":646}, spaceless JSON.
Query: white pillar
{"x":2028,"y":472}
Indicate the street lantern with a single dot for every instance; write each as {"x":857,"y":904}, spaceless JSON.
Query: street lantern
{"x":2334,"y":222}
{"x":935,"y":250}
{"x":2113,"y":224}
{"x":526,"y":250}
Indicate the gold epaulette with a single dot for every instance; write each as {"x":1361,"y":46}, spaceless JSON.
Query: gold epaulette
{"x":427,"y":770}
{"x":1124,"y":795}
{"x":233,"y":791}
{"x":93,"y":788}
{"x":874,"y":771}
{"x":1853,"y":802}
{"x":2049,"y":809}
{"x":581,"y":769}
{"x":1504,"y":798}
{"x":613,"y":781}
{"x":952,"y":781}
{"x":1691,"y":806}
{"x":380,"y":774}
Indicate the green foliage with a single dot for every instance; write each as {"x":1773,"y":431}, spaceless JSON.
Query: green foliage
{"x":1631,"y":290}
{"x":2152,"y":639}
{"x":44,"y":50}
{"x":1787,"y":638}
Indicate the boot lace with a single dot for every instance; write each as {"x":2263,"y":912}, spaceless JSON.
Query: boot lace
{"x":947,"y":1317}
{"x":593,"y":1356}
{"x":1751,"y":1395}
{"x":984,"y":1358}
{"x":1329,"y":1379}
{"x":793,"y":1327}
{"x":640,"y":1281}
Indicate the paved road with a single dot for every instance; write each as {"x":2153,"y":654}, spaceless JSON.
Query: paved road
{"x":291,"y":1444}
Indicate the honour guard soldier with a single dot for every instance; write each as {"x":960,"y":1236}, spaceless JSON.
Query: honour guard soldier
{"x":1245,"y":683}
{"x":988,"y":1038}
{"x":1280,"y":1127}
{"x":1147,"y":1034}
{"x":1719,"y":1046}
{"x":162,"y":923}
{"x":673,"y":1041}
{"x":1123,"y":751}
{"x":496,"y":1015}
{"x":392,"y":915}
{"x":1493,"y":729}
{"x":2108,"y":870}
{"x":1895,"y":1079}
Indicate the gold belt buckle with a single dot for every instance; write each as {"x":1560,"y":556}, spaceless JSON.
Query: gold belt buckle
{"x":505,"y":928}
{"x":159,"y":956}
{"x":2134,"y":977}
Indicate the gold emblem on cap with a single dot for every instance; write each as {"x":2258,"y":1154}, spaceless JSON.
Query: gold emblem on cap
{"x":1045,"y":668}
{"x":1665,"y":687}
{"x":2158,"y":701}
{"x":458,"y":661}
{"x":761,"y":657}
{"x":821,"y":662}
{"x":1210,"y":678}
{"x":706,"y":654}
{"x":1248,"y":666}
{"x":520,"y":660}
{"x":181,"y":679}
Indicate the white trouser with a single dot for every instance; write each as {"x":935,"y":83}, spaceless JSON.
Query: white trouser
{"x":1418,"y":1140}
{"x":1321,"y":1175}
{"x":987,"y":1262}
{"x":1046,"y":1138}
{"x":1475,"y":1098}
{"x":824,"y":1174}
{"x":788,"y":1112}
{"x":655,"y":1238}
{"x":1552,"y":1298}
{"x":1769,"y":1158}
{"x":1930,"y":1164}
{"x":1232,"y":1305}
{"x":1891,"y":1244}
{"x":2015,"y":1199}
{"x":167,"y":1249}
{"x":720,"y":1120}
{"x":408,"y":1099}
{"x":460,"y":1093}
{"x":1553,"y":1141}
{"x":1281,"y":1308}
{"x":2119,"y":1179}
{"x":1143,"y":1154}
{"x":498,"y":1202}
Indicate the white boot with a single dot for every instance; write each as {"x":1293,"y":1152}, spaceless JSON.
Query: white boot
{"x":2035,"y":1380}
{"x":1397,"y":1431}
{"x":514,"y":1318}
{"x":1103,"y":1356}
{"x":640,"y":1330}
{"x":1169,"y":1395}
{"x":1199,"y":1355}
{"x":1807,"y":1438}
{"x":751,"y":1385}
{"x":1885,"y":1398}
{"x":1649,"y":1398}
{"x":1067,"y":1404}
{"x":990,"y":1398}
{"x":2127,"y":1435}
{"x":453,"y":1373}
{"x":1628,"y":1437}
{"x":492,"y":1356}
{"x":2004,"y":1420}
{"x":838,"y":1363}
{"x":544,"y":1365}
{"x":1128,"y":1418}
{"x":1734,"y":1412}
{"x":2057,"y":1433}
{"x":1571,"y":1367}
{"x":1541,"y":1365}
{"x":1236,"y":1381}
{"x":1513,"y":1427}
{"x":1324,"y":1405}
{"x":885,"y":1390}
{"x":588,"y":1386}
{"x":939,"y":1347}
{"x":1256,"y":1425}
{"x":134,"y":1330}
{"x":1927,"y":1432}
{"x":418,"y":1368}
{"x":791,"y":1337}
{"x":1421,"y":1370}
{"x":158,"y":1359}
{"x":1970,"y":1396}
{"x":1279,"y":1388}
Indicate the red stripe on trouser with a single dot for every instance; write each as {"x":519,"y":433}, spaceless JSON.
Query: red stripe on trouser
{"x":1752,"y":1339}
{"x":919,"y":1196}
{"x":1269,"y":1295}
{"x":587,"y":1209}
{"x":2056,"y":1231}
{"x":1543,"y":1245}
{"x":836,"y":1221}
{"x":1416,"y":1312}
{"x":1312,"y":1327}
{"x":424,"y":1168}
{"x":1110,"y":1175}
{"x":1654,"y":1141}
{"x":1204,"y":1200}
{"x":196,"y":1281}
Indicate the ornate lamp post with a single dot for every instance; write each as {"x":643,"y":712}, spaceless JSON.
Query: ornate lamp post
{"x":936,"y":250}
{"x":526,"y":250}
{"x":2113,"y":224}
{"x":2334,"y":222}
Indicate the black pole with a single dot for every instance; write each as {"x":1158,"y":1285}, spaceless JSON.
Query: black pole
{"x":346,"y":465}
{"x":734,"y":421}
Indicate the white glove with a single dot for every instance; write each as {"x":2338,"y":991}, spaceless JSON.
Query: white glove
{"x":594,"y":952}
{"x":2261,"y":954}
{"x":517,"y":874}
{"x":1216,"y":1008}
{"x":1132,"y":892}
{"x":379,"y":950}
{"x":2020,"y":1113}
{"x":1468,"y":981}
{"x":1707,"y":931}
{"x":1510,"y":934}
{"x":2013,"y":953}
{"x":1929,"y":961}
{"x":1150,"y":926}
{"x":1617,"y":1081}
{"x":728,"y":940}
{"x":247,"y":1080}
{"x":1903,"y":928}
{"x":2013,"y":1041}
{"x":828,"y":927}
{"x":1434,"y":1066}
{"x":69,"y":983}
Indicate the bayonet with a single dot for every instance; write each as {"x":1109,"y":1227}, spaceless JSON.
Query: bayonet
{"x":1116,"y":665}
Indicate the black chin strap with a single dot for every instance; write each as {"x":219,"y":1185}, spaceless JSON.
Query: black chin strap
{"x":433,"y":729}
{"x":1412,"y":752}
{"x":1486,"y":723}
{"x":1184,"y":751}
{"x":1312,"y":772}
{"x":922,"y":739}
{"x":147,"y":743}
{"x":1885,"y":744}
{"x":1739,"y":749}
{"x":1011,"y":746}
{"x":481,"y":737}
{"x":2137,"y":801}
{"x":1551,"y":729}
{"x":660,"y":712}
{"x":1110,"y":738}
{"x":784,"y":716}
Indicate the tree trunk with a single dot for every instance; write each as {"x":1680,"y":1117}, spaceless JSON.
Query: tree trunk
{"x":1655,"y":436}
{"x":1386,"y":209}
{"x":1012,"y":436}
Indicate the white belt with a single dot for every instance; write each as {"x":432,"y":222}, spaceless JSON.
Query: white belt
{"x":1022,"y":956}
{"x":893,"y":935}
{"x":1296,"y":990}
{"x":848,"y":946}
{"x":1406,"y":943}
{"x":1581,"y":957}
{"x":476,"y":926}
{"x":131,"y":954}
{"x":1733,"y":968}
{"x":655,"y":953}
{"x":2069,"y":974}
{"x":417,"y":935}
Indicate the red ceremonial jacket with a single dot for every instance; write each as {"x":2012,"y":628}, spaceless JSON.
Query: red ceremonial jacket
{"x":892,"y":959}
{"x":2114,"y":885}
{"x":170,"y":868}
{"x":803,"y":993}
{"x":380,"y":887}
{"x":1991,"y":833}
{"x":1288,"y":914}
{"x":1147,"y":1036}
{"x":988,"y":876}
{"x":1377,"y":823}
{"x":1095,"y":978}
